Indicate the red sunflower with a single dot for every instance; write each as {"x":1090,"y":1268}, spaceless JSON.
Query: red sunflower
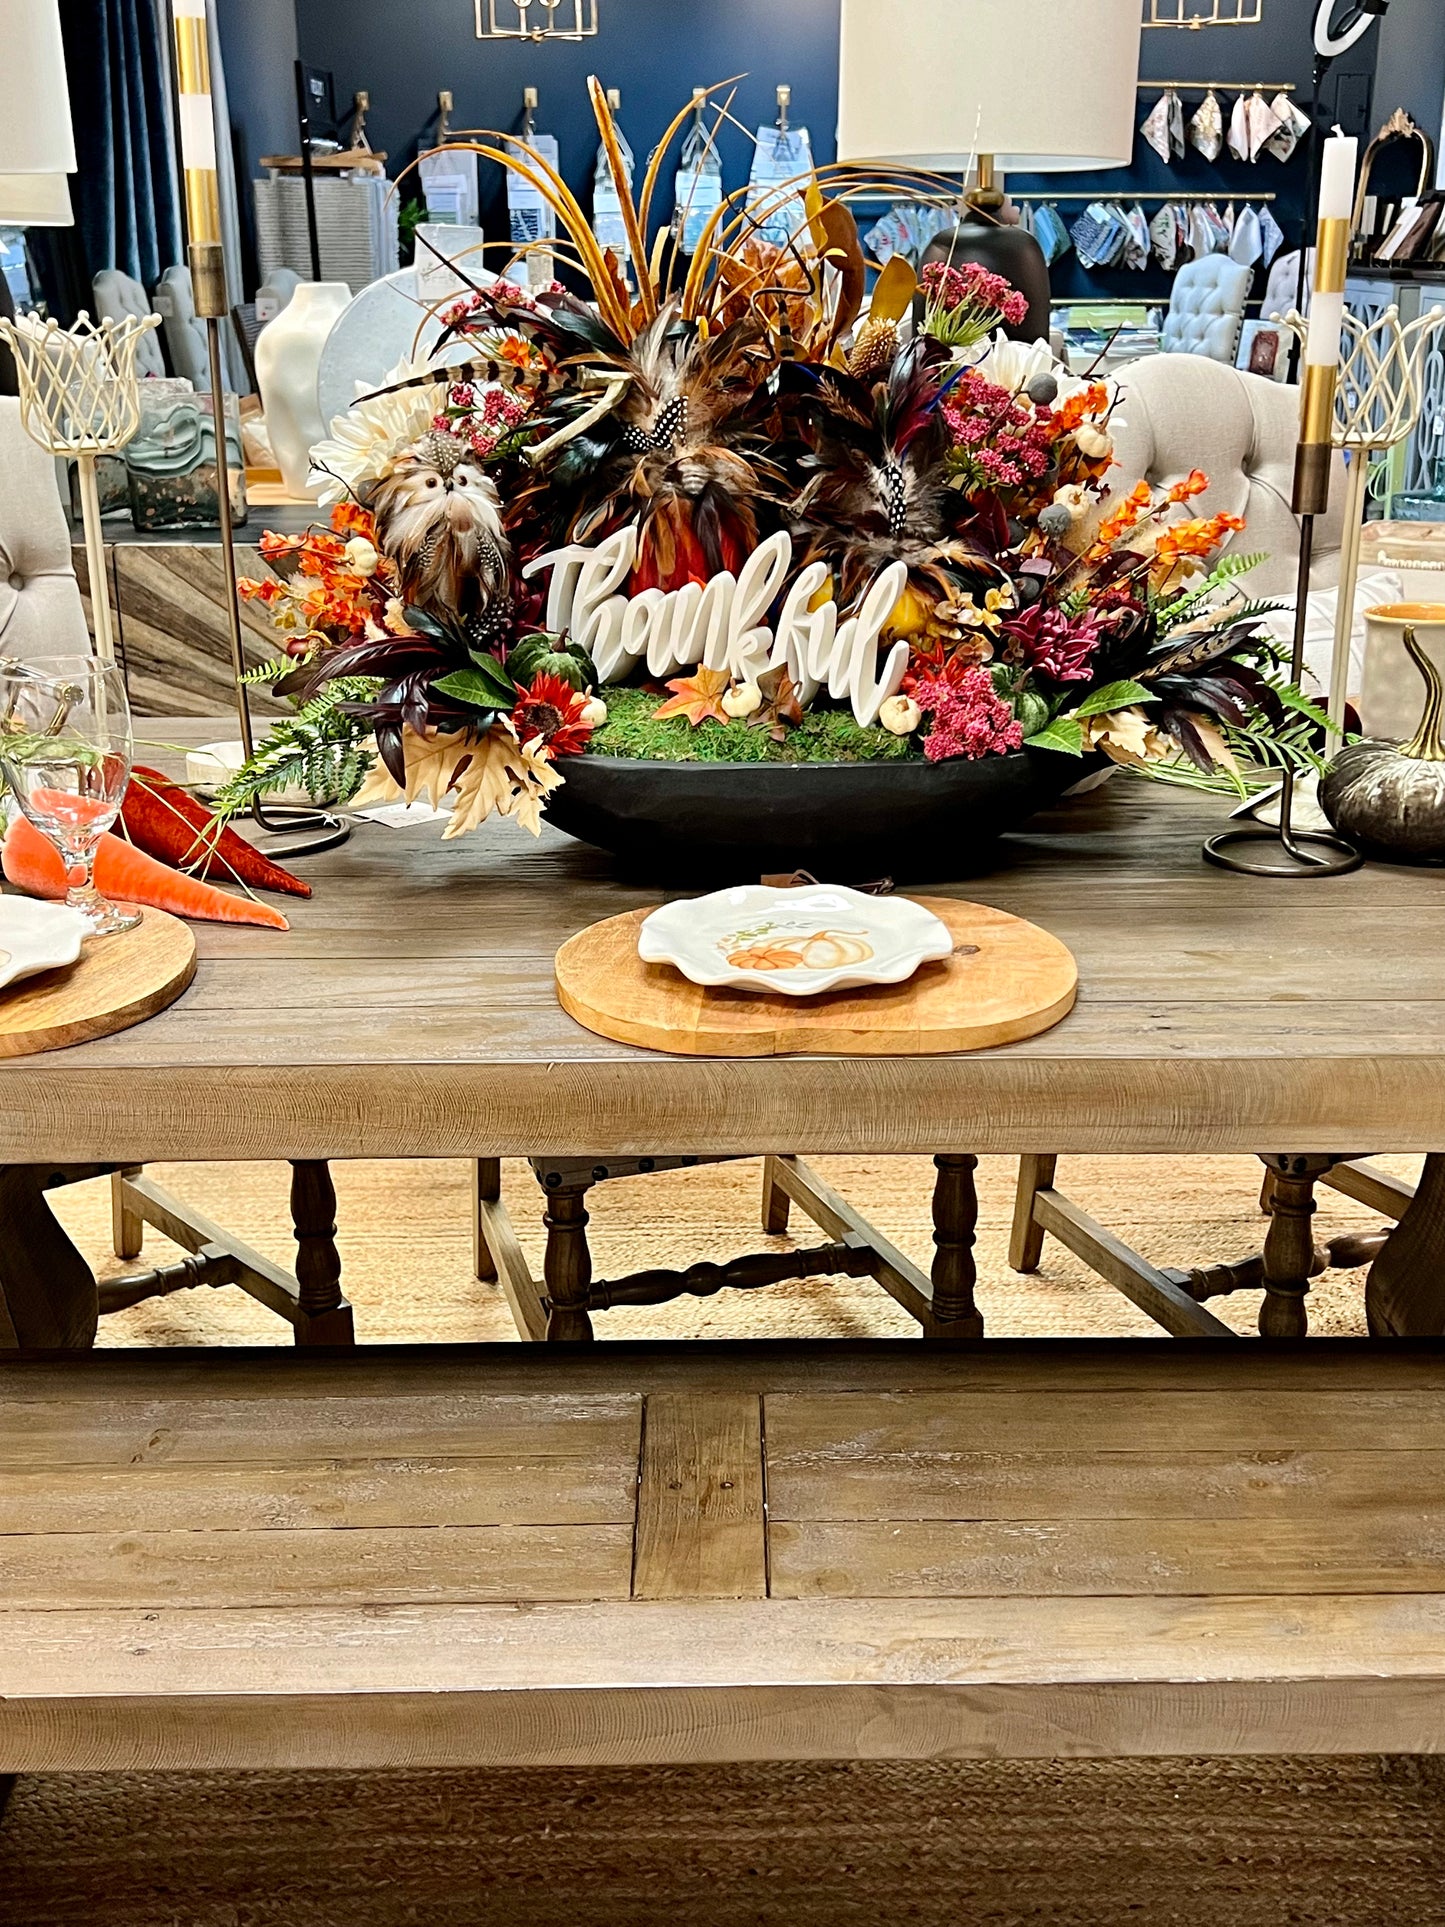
{"x":552,"y":709}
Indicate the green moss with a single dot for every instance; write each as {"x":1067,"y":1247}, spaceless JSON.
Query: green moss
{"x":823,"y":736}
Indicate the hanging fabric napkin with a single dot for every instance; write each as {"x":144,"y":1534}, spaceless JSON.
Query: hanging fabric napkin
{"x":1202,"y":237}
{"x":1239,"y":131}
{"x":1050,"y":232}
{"x":1165,"y":237}
{"x":1271,"y":236}
{"x":1099,"y":235}
{"x":1206,"y":128}
{"x":1136,"y":238}
{"x":1250,"y":126}
{"x":1293,"y":126}
{"x":781,"y":155}
{"x":1228,"y":219}
{"x":1219,"y":226}
{"x":1245,"y":243}
{"x":1176,"y":124}
{"x":1155,"y":129}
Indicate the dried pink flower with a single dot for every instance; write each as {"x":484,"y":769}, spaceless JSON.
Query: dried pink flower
{"x":969,"y":718}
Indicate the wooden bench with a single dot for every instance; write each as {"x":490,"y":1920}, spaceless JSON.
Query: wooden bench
{"x":618,"y":1553}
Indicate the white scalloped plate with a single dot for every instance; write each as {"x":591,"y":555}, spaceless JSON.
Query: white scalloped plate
{"x":36,"y":936}
{"x":801,"y":942}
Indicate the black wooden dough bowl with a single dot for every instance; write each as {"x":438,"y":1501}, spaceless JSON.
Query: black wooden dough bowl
{"x":843,"y":821}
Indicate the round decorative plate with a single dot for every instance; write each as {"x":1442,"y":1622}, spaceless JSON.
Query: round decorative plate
{"x":800,"y":942}
{"x":37,"y":936}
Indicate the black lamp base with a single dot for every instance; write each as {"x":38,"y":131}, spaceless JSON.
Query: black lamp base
{"x":1009,"y":251}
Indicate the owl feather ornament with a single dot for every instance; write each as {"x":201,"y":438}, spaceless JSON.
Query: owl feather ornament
{"x":438,"y":516}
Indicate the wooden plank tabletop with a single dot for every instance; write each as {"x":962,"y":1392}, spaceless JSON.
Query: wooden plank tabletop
{"x":410,"y":1011}
{"x":459,"y":1555}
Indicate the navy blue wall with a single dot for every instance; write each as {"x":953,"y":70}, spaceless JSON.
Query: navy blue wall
{"x":1411,"y":71}
{"x":656,"y":51}
{"x":258,"y":42}
{"x":403,"y":51}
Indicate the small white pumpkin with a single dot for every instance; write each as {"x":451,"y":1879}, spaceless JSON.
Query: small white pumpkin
{"x":743,"y":699}
{"x":361,"y":556}
{"x":900,"y":715}
{"x":594,"y":713}
{"x":1092,"y":441}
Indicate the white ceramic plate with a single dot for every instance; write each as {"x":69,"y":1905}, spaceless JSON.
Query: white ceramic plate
{"x":37,"y":936}
{"x":801,"y":942}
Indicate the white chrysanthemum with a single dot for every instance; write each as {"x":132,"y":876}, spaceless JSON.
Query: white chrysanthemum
{"x":1013,"y":364}
{"x":366,"y":440}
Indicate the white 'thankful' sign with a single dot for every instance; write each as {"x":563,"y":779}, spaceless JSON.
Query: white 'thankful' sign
{"x":721,"y":624}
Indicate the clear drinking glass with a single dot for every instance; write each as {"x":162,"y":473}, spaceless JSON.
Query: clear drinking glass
{"x":65,"y":750}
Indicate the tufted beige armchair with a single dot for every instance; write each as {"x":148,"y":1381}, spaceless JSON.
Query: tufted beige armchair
{"x":1180,"y":412}
{"x":40,"y":606}
{"x":1206,"y":308}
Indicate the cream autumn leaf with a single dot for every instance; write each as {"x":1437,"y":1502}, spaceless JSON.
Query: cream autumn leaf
{"x":511,"y":778}
{"x":1128,"y":736}
{"x":431,"y":767}
{"x":491,"y":774}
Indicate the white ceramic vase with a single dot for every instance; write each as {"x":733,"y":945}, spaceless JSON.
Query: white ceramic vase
{"x":288,"y":359}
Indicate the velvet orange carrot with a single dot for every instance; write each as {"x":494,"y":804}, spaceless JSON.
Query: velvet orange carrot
{"x":167,"y":822}
{"x":31,"y":862}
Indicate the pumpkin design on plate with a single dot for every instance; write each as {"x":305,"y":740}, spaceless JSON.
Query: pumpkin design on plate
{"x":824,"y":950}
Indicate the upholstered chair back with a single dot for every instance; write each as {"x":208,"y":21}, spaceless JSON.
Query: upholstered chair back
{"x":40,"y":606}
{"x":116,"y":296}
{"x":1181,"y":412}
{"x":1206,"y":308}
{"x":175,"y":302}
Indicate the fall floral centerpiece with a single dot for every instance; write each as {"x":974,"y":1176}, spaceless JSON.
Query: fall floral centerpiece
{"x":728,"y":510}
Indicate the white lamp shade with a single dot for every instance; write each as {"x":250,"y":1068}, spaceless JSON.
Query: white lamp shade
{"x":35,"y":200}
{"x":35,"y":131}
{"x":1048,"y":86}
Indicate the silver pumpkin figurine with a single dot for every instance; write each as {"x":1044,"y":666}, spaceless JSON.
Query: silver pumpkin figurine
{"x":1389,"y":798}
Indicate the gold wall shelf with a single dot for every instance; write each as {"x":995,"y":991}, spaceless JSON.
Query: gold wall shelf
{"x":1192,"y":15}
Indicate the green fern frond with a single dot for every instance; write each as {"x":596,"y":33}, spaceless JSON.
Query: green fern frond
{"x":320,"y":749}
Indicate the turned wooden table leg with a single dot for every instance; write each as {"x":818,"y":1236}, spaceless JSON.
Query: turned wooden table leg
{"x":955,"y":1271}
{"x":48,"y":1299}
{"x":1405,"y":1296}
{"x":325,"y":1317}
{"x":567,"y":1266}
{"x":1289,"y":1245}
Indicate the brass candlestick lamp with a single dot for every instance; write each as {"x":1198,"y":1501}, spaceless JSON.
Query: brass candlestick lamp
{"x":319,"y":830}
{"x":1287,"y":851}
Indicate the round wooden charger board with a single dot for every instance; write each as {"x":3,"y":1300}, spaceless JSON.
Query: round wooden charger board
{"x":1006,"y":979}
{"x":117,"y":981}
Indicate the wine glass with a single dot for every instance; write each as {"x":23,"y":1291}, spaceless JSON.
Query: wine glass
{"x":65,"y":750}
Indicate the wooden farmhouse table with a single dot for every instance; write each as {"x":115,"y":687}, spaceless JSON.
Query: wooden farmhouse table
{"x":580,"y":1554}
{"x":410,"y":1012}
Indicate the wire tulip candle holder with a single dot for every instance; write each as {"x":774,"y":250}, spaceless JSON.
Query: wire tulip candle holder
{"x":80,"y":398}
{"x":1378,"y":403}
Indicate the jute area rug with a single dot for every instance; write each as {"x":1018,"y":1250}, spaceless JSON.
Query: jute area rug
{"x":1225,"y":1843}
